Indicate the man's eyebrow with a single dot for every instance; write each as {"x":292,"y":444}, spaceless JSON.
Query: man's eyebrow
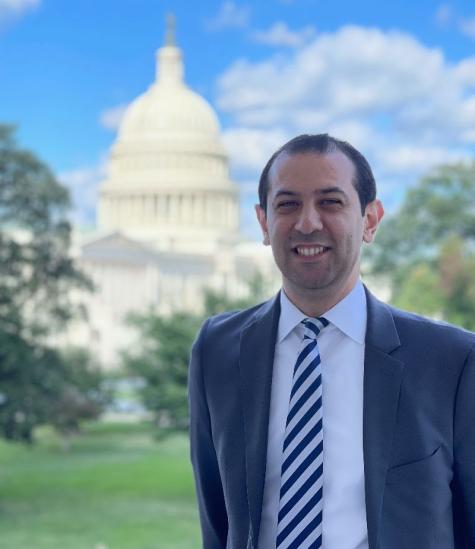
{"x":285,"y":192}
{"x":329,"y":190}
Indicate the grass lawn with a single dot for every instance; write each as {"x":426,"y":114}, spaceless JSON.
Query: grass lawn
{"x":117,"y":488}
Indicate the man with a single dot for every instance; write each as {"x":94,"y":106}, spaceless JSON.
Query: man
{"x":325,"y":418}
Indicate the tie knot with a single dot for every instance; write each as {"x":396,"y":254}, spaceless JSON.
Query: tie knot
{"x":313,"y":326}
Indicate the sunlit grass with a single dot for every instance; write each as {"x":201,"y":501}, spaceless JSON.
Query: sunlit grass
{"x":116,"y":487}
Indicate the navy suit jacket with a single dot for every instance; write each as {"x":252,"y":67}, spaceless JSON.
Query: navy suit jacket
{"x":418,"y":428}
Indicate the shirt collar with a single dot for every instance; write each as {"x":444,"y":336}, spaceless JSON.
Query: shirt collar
{"x":348,"y":315}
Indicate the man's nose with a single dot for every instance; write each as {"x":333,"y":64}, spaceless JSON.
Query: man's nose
{"x":309,"y":221}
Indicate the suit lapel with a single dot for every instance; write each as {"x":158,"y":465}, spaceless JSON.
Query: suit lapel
{"x":382,"y":382}
{"x":255,"y":367}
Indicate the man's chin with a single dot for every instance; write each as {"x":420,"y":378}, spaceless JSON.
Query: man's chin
{"x":310,"y":284}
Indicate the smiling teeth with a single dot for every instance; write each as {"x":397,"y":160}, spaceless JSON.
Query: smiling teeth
{"x":310,"y":251}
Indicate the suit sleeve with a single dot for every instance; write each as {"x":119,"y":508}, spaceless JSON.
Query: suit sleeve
{"x":464,"y":457}
{"x":209,"y":489}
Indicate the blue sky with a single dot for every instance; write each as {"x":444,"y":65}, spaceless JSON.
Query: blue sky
{"x":396,"y":80}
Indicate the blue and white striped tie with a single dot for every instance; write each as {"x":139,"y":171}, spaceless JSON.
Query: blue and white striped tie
{"x":300,"y":507}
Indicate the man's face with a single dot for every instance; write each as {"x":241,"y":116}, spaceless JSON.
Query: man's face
{"x":314,"y":222}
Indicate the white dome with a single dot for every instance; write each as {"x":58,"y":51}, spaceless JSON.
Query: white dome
{"x":169,"y":109}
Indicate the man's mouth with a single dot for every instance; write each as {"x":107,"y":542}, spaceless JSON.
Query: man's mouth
{"x":310,"y":251}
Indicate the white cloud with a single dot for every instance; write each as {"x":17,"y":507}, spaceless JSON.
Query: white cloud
{"x":280,"y":35}
{"x":230,"y":15}
{"x":402,"y":103}
{"x":465,"y":72}
{"x":83,"y":184}
{"x":360,"y":135}
{"x":446,"y":16}
{"x":13,"y":9}
{"x":111,"y":118}
{"x":353,"y":71}
{"x":469,"y":135}
{"x":410,"y":158}
{"x":467,"y":26}
{"x":249,"y":149}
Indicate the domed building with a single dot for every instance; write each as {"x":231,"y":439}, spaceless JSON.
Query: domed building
{"x":168,"y":181}
{"x":168,"y":215}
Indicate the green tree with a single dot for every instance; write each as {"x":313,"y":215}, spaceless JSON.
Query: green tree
{"x":161,"y":360}
{"x":36,"y":270}
{"x":426,"y":249}
{"x":29,"y":378}
{"x":36,"y":275}
{"x":456,"y":268}
{"x":162,"y":354}
{"x":438,"y":207}
{"x":420,"y":291}
{"x":40,"y":385}
{"x":79,"y":394}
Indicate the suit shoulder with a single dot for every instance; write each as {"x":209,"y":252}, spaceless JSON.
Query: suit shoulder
{"x":231,"y":323}
{"x":220,"y":336}
{"x":232,"y":320}
{"x":416,"y":324}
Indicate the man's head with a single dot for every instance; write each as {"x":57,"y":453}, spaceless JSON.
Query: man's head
{"x":323,"y":143}
{"x":317,"y":206}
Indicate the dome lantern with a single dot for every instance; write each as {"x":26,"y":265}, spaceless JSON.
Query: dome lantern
{"x":169,"y":58}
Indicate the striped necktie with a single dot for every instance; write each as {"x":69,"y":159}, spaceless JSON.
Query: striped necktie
{"x":300,"y":505}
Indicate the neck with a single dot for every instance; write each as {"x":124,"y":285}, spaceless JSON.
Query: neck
{"x":313,"y":302}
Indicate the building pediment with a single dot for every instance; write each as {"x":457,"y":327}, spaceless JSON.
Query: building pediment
{"x":117,"y":247}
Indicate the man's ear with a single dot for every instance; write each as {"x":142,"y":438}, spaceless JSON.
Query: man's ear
{"x":262,"y":218}
{"x":374,"y":212}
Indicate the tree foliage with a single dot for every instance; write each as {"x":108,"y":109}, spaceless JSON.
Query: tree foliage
{"x":36,"y":270}
{"x":79,"y":394}
{"x":426,"y":250}
{"x":36,"y":276}
{"x":40,"y":385}
{"x":29,"y":378}
{"x":162,"y":354}
{"x":161,"y":360}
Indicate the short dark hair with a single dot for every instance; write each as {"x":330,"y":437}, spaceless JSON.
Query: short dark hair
{"x":323,"y":143}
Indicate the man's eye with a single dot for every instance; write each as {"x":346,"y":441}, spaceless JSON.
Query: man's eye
{"x":331,"y":202}
{"x":287,"y":205}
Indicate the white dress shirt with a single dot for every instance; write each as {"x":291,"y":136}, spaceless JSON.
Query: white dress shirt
{"x":341,"y":346}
